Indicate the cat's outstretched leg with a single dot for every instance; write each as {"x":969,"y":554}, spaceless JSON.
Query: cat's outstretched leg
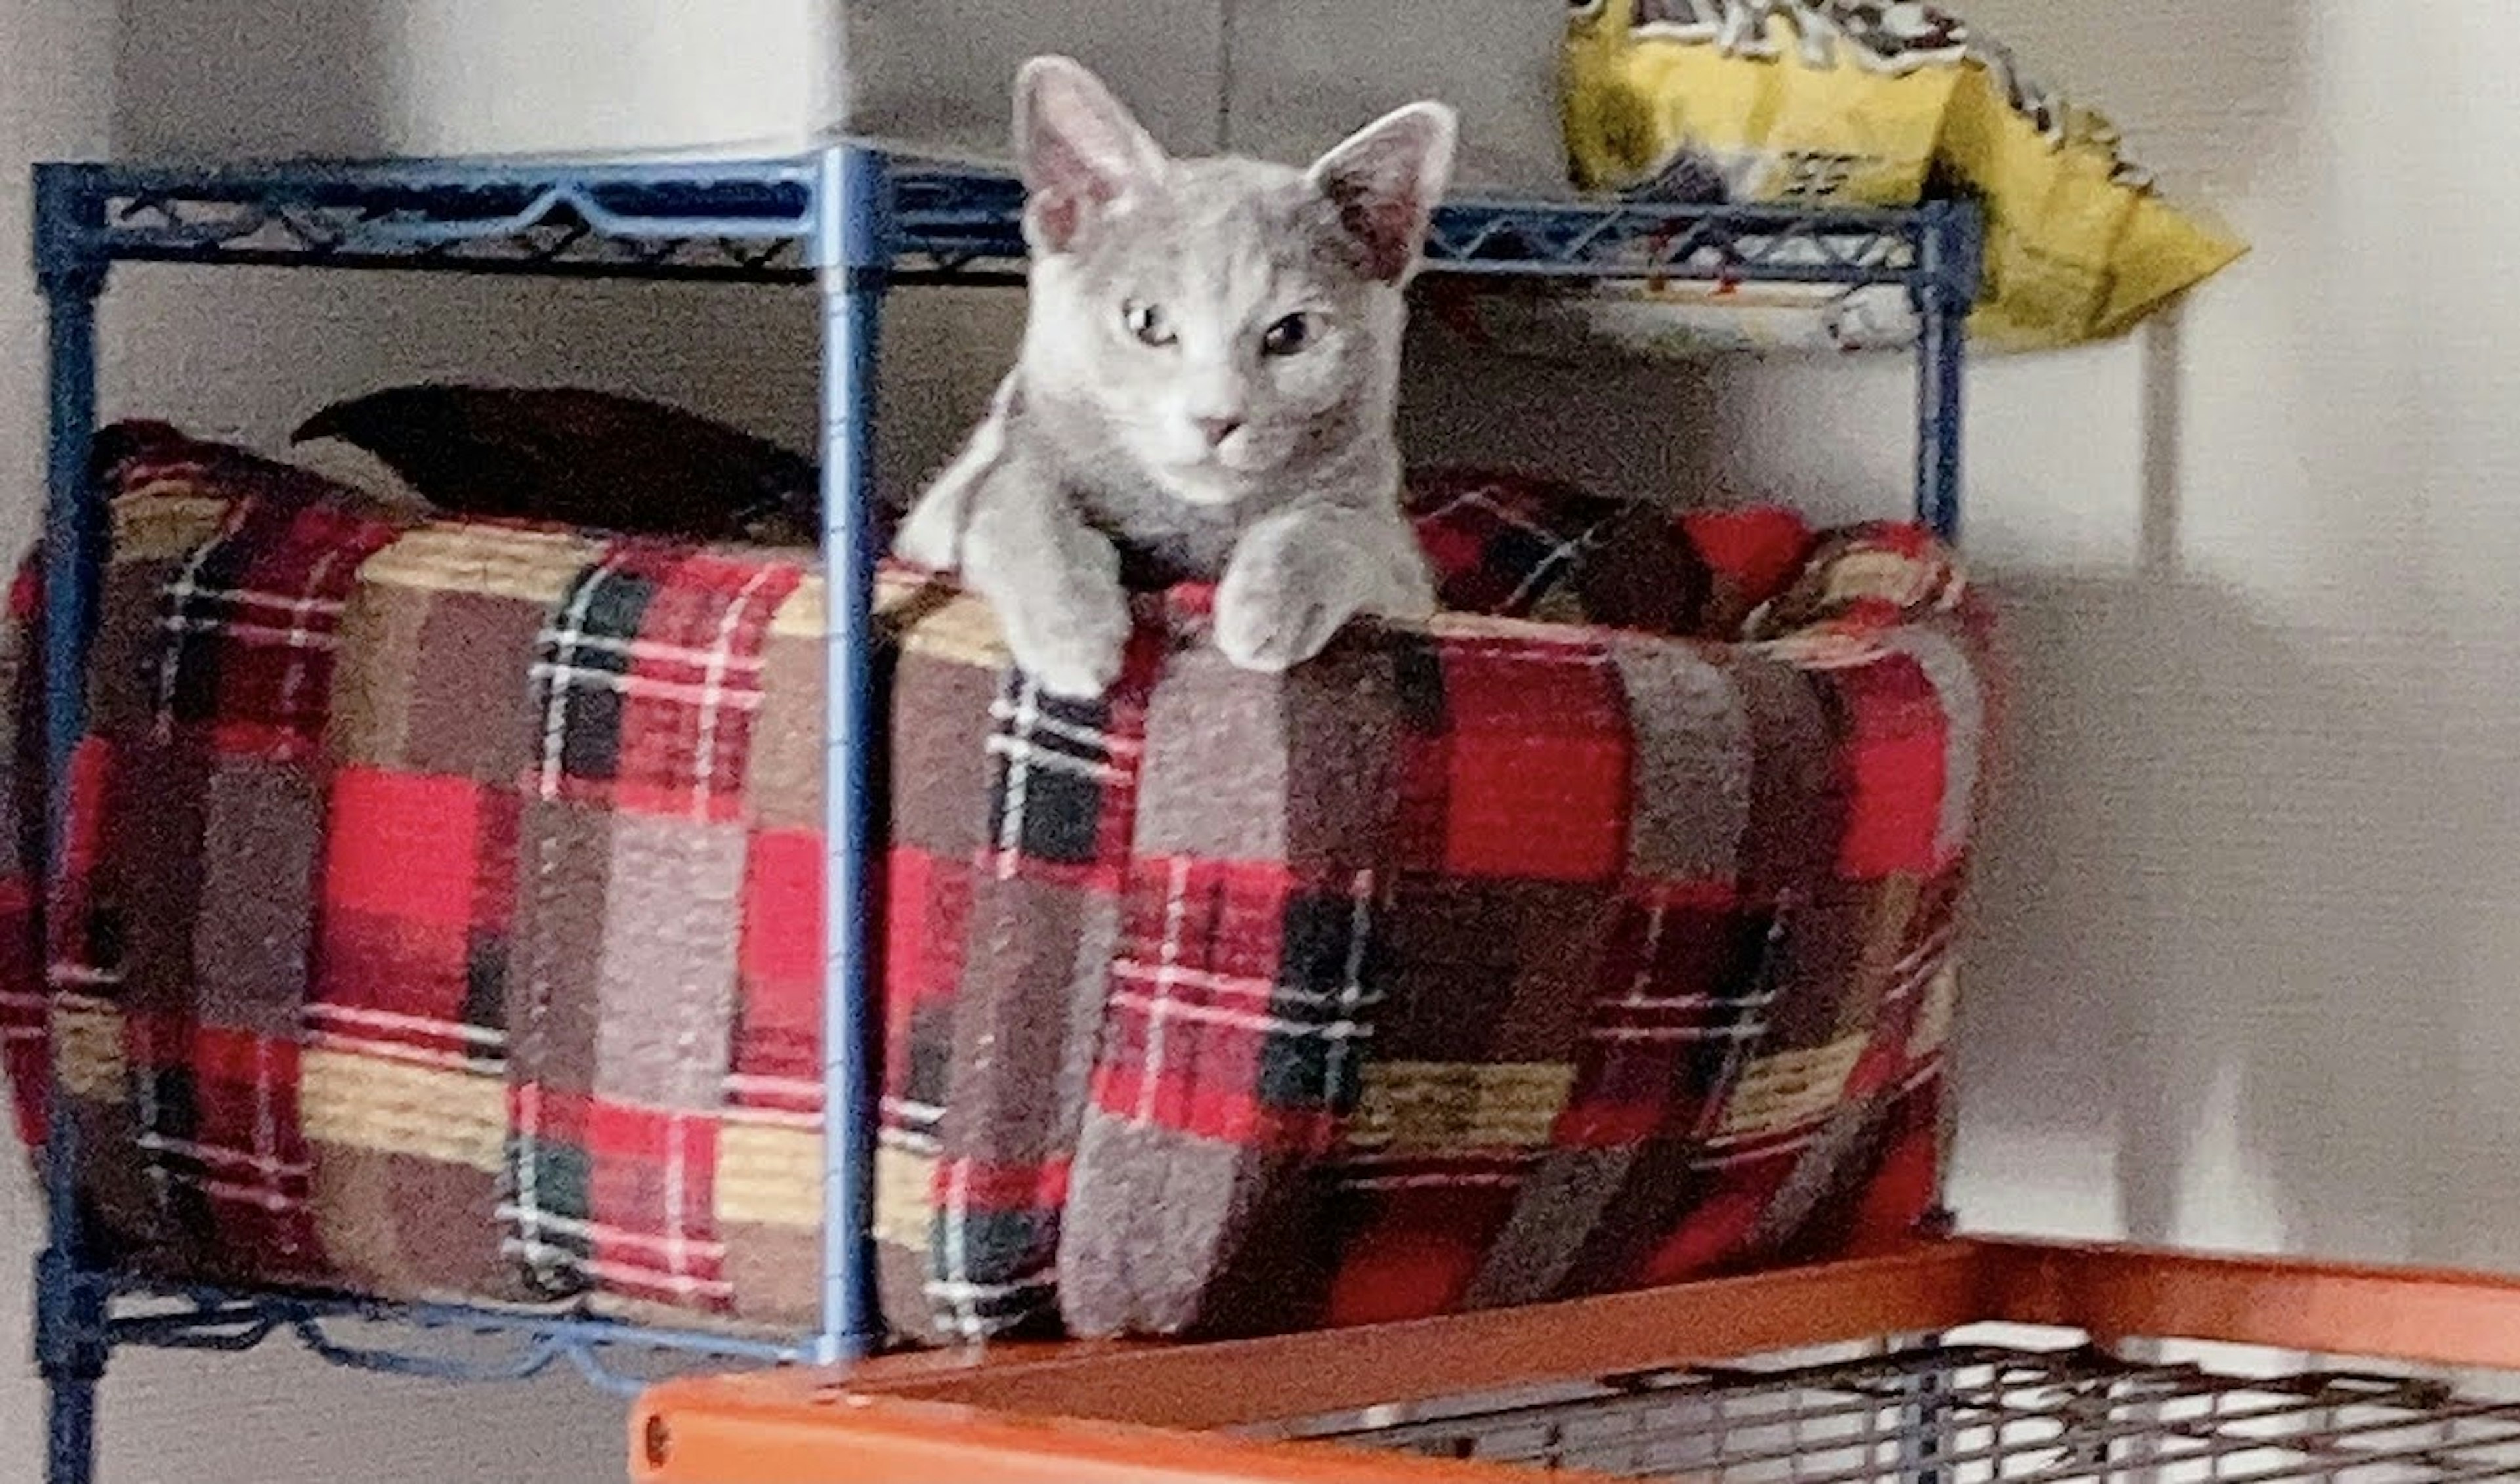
{"x":1002,"y":521}
{"x":1300,"y":574}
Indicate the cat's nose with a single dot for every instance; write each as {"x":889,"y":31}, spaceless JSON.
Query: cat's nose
{"x":1218,"y":430}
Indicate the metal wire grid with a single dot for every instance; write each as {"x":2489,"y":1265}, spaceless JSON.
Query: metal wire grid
{"x":756,"y":221}
{"x":753,"y":221}
{"x":439,"y":1341}
{"x":1964,"y":1412}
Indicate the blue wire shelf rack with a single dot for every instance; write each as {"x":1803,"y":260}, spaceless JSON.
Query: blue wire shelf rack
{"x":853,"y":223}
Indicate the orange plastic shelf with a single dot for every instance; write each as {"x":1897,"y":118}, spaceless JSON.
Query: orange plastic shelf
{"x":1144,"y":1414}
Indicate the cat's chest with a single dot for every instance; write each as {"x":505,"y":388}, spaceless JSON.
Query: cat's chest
{"x":1161,"y":540}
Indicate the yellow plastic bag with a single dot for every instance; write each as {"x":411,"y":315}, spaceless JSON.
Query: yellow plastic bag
{"x":1863,"y":103}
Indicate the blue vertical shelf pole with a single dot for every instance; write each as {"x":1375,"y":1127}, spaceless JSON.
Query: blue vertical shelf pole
{"x":1944,"y":290}
{"x":852,"y":256}
{"x":72,"y":1341}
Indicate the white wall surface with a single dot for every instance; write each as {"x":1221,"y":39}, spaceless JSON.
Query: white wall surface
{"x":2246,"y":971}
{"x":359,"y":78}
{"x":2248,"y":974}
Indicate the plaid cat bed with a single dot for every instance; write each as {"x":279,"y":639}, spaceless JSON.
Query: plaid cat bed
{"x":445,"y":912}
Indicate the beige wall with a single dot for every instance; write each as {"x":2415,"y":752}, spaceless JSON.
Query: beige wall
{"x":2246,"y":963}
{"x":2247,"y":969}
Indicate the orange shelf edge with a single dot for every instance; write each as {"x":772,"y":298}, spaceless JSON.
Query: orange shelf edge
{"x":1149,"y":1413}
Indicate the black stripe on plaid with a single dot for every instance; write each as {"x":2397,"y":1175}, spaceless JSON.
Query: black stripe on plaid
{"x":1052,"y":764}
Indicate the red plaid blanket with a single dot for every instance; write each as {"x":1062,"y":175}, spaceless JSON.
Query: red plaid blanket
{"x":446,"y":922}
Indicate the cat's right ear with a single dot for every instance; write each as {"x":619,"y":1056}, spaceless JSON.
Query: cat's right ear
{"x":1078,"y":148}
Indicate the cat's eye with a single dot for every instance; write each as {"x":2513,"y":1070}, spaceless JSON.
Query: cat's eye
{"x":1287,"y":336}
{"x":1148,"y":323}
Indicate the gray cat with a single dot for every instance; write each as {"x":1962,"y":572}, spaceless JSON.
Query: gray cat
{"x":1205,"y":390}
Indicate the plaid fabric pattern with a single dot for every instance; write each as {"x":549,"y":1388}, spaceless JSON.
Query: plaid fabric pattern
{"x":185,"y":947}
{"x":24,"y":1001}
{"x":1502,"y":543}
{"x":1006,"y":869}
{"x":447,"y":908}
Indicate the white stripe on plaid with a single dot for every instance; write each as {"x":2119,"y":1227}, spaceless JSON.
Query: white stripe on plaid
{"x":909,"y":1141}
{"x":914,"y":1127}
{"x":301,"y":638}
{"x":1023,"y":748}
{"x":525,"y":1158}
{"x":150,"y":1116}
{"x":922,"y":1114}
{"x":1472,"y":1169}
{"x":970,"y":1309}
{"x":1630,"y":1016}
{"x":1155,"y":991}
{"x":1027,"y":737}
{"x":963,"y":1319}
{"x":678,"y":1241}
{"x":559,"y":666}
{"x":1166,"y":979}
{"x":414,"y":1040}
{"x":631,"y":1275}
{"x":250,"y":1161}
{"x":560,"y":673}
{"x":1727,"y":1151}
{"x":983,"y":1293}
{"x":391,"y":1021}
{"x":1249,"y":986}
{"x":701,"y":693}
{"x":23,"y":1016}
{"x":256,"y":1175}
{"x":1429,"y":1180}
{"x":280,"y":620}
{"x":1017,"y":793}
{"x":658,"y":652}
{"x":721,"y":661}
{"x":689,"y":1256}
{"x":1160,"y":1006}
{"x":1916,"y":969}
{"x":1664,"y":1034}
{"x":561,"y":677}
{"x":1562,"y":550}
{"x":954,"y":1287}
{"x":1684,"y":1002}
{"x":1340,"y":1072}
{"x":405,"y":1052}
{"x":798,"y":1097}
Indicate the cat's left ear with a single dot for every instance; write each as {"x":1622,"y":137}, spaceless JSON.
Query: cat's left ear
{"x":1386,"y":179}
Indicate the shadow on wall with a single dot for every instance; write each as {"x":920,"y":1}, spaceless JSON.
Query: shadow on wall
{"x":2180,"y":781}
{"x":2187,"y":1014}
{"x":1628,"y":428}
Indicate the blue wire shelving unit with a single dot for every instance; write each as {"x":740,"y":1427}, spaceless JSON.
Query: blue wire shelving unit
{"x":853,"y":223}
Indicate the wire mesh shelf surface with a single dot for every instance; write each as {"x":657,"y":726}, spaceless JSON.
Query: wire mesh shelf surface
{"x":1975,"y":1409}
{"x":1963,"y":1361}
{"x":758,"y":220}
{"x":438,"y":1341}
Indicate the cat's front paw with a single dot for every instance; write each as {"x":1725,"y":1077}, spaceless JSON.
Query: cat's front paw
{"x":1283,"y":601}
{"x":1071,"y":647}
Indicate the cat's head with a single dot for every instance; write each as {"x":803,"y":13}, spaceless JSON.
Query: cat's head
{"x":1227,"y":321}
